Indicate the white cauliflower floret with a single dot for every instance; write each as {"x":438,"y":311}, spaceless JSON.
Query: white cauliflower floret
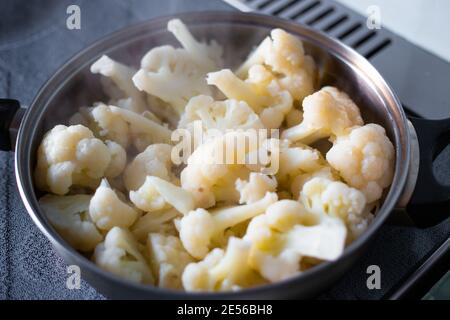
{"x":118,"y":159}
{"x":336,"y":199}
{"x":168,"y":259}
{"x":256,"y":187}
{"x":156,"y":194}
{"x":155,"y":222}
{"x":299,"y":181}
{"x":154,"y":161}
{"x":69,"y":216}
{"x":286,"y":233}
{"x":283,"y":53}
{"x":72,"y":156}
{"x":221,"y":115}
{"x":326,"y":113}
{"x":199,"y":227}
{"x":221,"y":270}
{"x":120,"y":254}
{"x":261,"y":91}
{"x":213,"y":168}
{"x":364,"y":158}
{"x":176,"y":75}
{"x":296,"y":160}
{"x":107,"y":210}
{"x":123,"y":92}
{"x":143,"y":130}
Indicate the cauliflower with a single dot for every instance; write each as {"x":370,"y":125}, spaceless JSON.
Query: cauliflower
{"x":294,"y":117}
{"x":299,"y":181}
{"x":176,"y":75}
{"x":284,"y":55}
{"x":370,"y":166}
{"x":168,"y":259}
{"x":221,"y":270}
{"x":286,"y":233}
{"x":72,"y":156}
{"x":261,"y":91}
{"x":199,"y":227}
{"x":256,"y":187}
{"x":326,"y":113}
{"x":118,"y":159}
{"x":69,"y":216}
{"x":157,"y":193}
{"x":155,"y":222}
{"x":121,"y":255}
{"x":123,"y":92}
{"x":154,"y":161}
{"x":108,"y":211}
{"x":221,"y":115}
{"x":211,"y":178}
{"x":143,"y":131}
{"x":296,"y":160}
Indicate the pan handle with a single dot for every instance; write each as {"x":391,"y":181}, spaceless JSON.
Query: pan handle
{"x":430,"y":200}
{"x":10,"y":112}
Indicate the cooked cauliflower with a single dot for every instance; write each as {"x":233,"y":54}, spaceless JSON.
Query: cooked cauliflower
{"x":326,"y":113}
{"x":221,"y":115}
{"x":286,"y":233}
{"x":364,"y":157}
{"x":176,"y":75}
{"x":155,"y":222}
{"x":69,"y":216}
{"x":260,"y":90}
{"x":199,"y":227}
{"x":107,"y":210}
{"x":156,"y":194}
{"x":143,"y":130}
{"x":168,"y":258}
{"x":283,"y":53}
{"x":118,"y":159}
{"x":72,"y":156}
{"x":121,"y":254}
{"x":299,"y":181}
{"x":155,"y":160}
{"x":121,"y":91}
{"x":211,"y":178}
{"x":222,"y":270}
{"x":256,"y":187}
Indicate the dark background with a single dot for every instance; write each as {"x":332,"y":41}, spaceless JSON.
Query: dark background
{"x":34,"y":42}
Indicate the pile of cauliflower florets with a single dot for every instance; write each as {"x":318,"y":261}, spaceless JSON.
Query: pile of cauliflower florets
{"x":115,"y":194}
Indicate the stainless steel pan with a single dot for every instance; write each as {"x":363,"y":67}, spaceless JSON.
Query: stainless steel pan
{"x":413,"y":186}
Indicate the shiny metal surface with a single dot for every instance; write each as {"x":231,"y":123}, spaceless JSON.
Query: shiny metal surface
{"x":73,"y":85}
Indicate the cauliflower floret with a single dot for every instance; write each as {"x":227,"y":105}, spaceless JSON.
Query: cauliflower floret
{"x":296,"y":160}
{"x":213,"y":168}
{"x":261,"y":91}
{"x":221,"y":270}
{"x":118,"y":159}
{"x":168,"y":259}
{"x":283,"y":53}
{"x":121,"y":255}
{"x":122,"y":92}
{"x":108,"y":211}
{"x":364,"y":158}
{"x":256,"y":187}
{"x":143,"y":130}
{"x":154,"y":161}
{"x":176,"y":75}
{"x":72,"y":156}
{"x":160,"y":221}
{"x":286,"y":233}
{"x":69,"y":216}
{"x":294,"y":117}
{"x":221,"y":115}
{"x":156,"y":194}
{"x":199,"y":227}
{"x":326,"y":113}
{"x":299,"y":181}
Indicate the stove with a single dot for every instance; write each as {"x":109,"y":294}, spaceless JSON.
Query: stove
{"x":410,"y":259}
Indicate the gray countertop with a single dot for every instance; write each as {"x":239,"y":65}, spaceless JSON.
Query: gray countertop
{"x":34,"y":42}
